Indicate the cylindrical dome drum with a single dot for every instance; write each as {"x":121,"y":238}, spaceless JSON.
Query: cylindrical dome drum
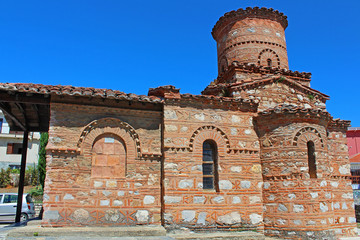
{"x":254,"y":35}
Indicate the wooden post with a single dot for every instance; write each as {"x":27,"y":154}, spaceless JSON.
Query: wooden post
{"x":22,"y":176}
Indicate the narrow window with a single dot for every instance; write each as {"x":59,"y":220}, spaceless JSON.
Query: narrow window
{"x":269,"y":62}
{"x":210,"y":175}
{"x":222,"y":69}
{"x":311,"y":159}
{"x":1,"y":123}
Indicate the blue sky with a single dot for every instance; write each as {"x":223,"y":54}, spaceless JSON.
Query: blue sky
{"x":135,"y":45}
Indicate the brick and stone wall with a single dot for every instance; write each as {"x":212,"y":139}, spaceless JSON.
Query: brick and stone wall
{"x":238,"y":201}
{"x":279,"y":92}
{"x":103,"y":166}
{"x":343,"y":201}
{"x":296,"y":203}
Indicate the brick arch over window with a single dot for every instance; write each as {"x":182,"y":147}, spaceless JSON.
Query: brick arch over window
{"x":112,"y":126}
{"x":210,"y":133}
{"x":210,"y":165}
{"x":266,"y":55}
{"x":306,"y":134}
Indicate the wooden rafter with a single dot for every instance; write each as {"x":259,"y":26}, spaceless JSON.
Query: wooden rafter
{"x":21,"y":108}
{"x":7,"y":111}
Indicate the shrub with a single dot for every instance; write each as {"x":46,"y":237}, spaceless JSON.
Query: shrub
{"x":36,"y":191}
{"x":31,"y":176}
{"x":5,"y":178}
{"x":15,"y":170}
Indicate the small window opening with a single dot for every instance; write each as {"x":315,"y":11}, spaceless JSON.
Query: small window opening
{"x":311,"y":159}
{"x":269,"y":62}
{"x":210,"y":174}
{"x":14,"y":148}
{"x":222,"y":69}
{"x":13,"y":166}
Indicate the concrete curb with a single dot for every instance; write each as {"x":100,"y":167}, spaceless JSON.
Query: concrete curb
{"x":33,"y":230}
{"x":219,"y":235}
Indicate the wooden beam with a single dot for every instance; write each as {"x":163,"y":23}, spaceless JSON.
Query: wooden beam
{"x":36,"y":109}
{"x":22,"y":176}
{"x":9,"y":113}
{"x":24,"y":98}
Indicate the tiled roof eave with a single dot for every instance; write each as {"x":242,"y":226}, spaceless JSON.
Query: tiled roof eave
{"x":338,"y":123}
{"x":60,"y":90}
{"x":295,"y":110}
{"x":202,"y":98}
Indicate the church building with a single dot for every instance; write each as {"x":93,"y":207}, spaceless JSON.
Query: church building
{"x":255,"y":150}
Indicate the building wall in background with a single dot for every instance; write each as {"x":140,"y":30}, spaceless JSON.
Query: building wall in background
{"x":353,"y":140}
{"x":11,"y":143}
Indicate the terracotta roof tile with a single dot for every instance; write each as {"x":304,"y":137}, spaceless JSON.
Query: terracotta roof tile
{"x":253,"y":68}
{"x":217,"y":98}
{"x":337,"y":122}
{"x":284,"y":108}
{"x":76,"y":91}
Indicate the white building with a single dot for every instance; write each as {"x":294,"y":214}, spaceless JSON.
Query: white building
{"x":11,"y":146}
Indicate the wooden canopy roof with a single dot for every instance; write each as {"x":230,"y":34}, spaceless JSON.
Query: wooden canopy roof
{"x":25,"y":111}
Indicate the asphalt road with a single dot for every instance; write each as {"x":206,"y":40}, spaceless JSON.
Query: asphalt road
{"x":6,"y":226}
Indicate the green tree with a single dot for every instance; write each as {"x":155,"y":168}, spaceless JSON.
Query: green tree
{"x":42,"y":157}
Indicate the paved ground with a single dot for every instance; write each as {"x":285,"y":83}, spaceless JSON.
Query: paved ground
{"x":90,"y":238}
{"x":6,"y":227}
{"x":32,"y":230}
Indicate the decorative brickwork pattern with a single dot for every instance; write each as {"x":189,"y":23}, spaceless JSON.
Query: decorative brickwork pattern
{"x":268,"y":58}
{"x":307,"y":134}
{"x":114,"y":126}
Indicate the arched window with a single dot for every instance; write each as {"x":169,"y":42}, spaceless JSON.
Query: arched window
{"x":269,"y":62}
{"x":209,"y":166}
{"x":108,"y":157}
{"x":311,"y":159}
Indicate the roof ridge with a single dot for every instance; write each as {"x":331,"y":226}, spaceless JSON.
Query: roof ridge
{"x":288,"y":80}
